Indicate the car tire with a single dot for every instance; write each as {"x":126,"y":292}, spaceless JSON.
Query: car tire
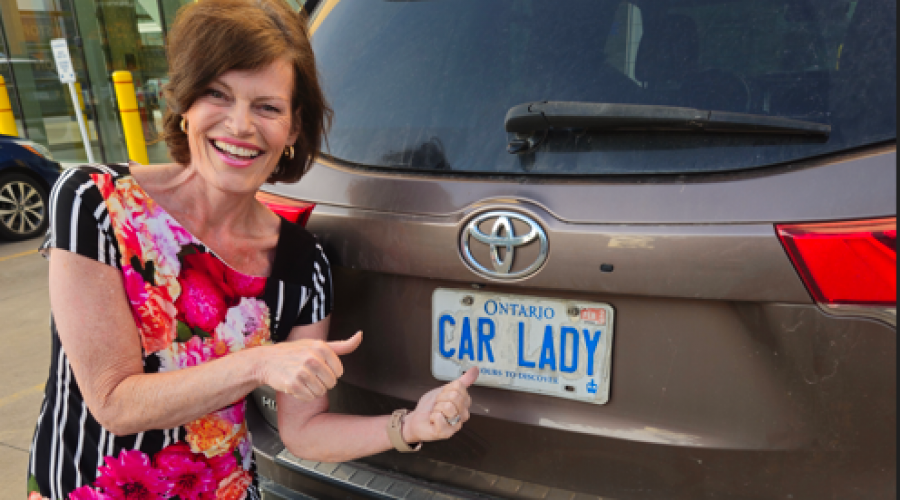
{"x":24,"y":207}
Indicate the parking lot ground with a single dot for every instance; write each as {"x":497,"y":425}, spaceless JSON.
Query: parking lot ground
{"x":24,"y":357}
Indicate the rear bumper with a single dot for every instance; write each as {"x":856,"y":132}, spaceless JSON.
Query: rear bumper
{"x":286,"y":477}
{"x":294,"y":478}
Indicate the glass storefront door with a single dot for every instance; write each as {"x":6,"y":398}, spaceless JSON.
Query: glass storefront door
{"x":45,"y":108}
{"x":103,"y":36}
{"x":127,"y":35}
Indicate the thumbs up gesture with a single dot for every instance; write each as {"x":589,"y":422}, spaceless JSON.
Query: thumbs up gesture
{"x":307,"y":369}
{"x":441,"y":412}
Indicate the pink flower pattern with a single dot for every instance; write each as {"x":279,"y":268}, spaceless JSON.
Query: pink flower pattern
{"x":192,"y":478}
{"x":85,"y":493}
{"x":131,"y":476}
{"x":201,"y":302}
{"x":190,"y":308}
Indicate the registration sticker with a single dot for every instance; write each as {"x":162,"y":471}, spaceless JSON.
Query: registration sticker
{"x":554,"y":347}
{"x":594,"y":316}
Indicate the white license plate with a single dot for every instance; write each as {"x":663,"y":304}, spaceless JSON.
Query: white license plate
{"x":554,"y":347}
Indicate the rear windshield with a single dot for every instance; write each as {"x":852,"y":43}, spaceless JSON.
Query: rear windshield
{"x":426,"y":85}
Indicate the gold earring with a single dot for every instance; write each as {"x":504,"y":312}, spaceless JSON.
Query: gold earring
{"x":289,"y":152}
{"x":183,"y":125}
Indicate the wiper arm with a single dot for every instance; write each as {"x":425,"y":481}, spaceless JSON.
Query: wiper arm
{"x":538,"y":117}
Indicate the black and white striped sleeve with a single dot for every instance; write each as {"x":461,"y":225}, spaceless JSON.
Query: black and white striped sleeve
{"x":320,"y":301}
{"x":79,"y":220}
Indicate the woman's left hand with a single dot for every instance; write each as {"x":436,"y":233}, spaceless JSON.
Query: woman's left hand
{"x":441,"y":412}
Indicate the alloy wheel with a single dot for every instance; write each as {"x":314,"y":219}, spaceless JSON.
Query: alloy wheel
{"x":22,"y":208}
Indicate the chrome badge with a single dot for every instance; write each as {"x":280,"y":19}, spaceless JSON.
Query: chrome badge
{"x":503,"y":237}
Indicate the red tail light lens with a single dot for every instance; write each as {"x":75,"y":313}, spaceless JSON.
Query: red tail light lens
{"x":846,"y":262}
{"x":295,"y":211}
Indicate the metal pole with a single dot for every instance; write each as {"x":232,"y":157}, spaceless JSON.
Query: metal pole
{"x":84,"y":133}
{"x":92,"y":97}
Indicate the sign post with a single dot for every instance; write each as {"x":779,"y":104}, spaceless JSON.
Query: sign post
{"x":67,"y":75}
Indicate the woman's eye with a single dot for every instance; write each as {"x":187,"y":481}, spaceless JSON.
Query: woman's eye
{"x":271,"y":109}
{"x":215,"y":94}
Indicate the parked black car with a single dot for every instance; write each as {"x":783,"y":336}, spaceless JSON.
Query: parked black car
{"x":27,"y":173}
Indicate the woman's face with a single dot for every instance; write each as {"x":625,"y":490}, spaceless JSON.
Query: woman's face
{"x":240,"y":126}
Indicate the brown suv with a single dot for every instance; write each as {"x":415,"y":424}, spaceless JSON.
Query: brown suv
{"x":665,"y":230}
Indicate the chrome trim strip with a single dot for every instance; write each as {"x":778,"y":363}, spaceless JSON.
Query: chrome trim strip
{"x":372,"y":482}
{"x":273,"y":491}
{"x":360,"y":479}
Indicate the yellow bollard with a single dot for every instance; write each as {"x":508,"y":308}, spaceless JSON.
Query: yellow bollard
{"x":131,"y":118}
{"x":7,"y":120}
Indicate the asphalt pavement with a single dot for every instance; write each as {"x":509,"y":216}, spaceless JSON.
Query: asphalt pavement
{"x":24,"y":357}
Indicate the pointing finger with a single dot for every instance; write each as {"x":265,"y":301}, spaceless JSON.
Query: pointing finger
{"x":469,"y":377}
{"x":344,"y":347}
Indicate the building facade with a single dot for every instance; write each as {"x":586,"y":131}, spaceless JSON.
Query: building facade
{"x":103,"y":36}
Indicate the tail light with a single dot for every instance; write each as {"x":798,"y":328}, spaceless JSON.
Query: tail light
{"x":295,"y":211}
{"x":846,"y":263}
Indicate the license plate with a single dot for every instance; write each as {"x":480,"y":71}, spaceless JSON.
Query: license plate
{"x":547,"y":346}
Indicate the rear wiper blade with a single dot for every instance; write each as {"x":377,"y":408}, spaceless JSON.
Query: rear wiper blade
{"x":538,"y":117}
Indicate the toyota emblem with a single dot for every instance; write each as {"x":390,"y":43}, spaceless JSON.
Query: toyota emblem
{"x":503,"y":236}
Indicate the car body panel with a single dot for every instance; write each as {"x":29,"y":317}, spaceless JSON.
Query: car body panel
{"x":724,"y":261}
{"x":723,"y":367}
{"x":14,"y":157}
{"x":852,"y":185}
{"x":727,"y":379}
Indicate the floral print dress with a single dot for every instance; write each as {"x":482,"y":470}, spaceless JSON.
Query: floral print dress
{"x":189,"y":307}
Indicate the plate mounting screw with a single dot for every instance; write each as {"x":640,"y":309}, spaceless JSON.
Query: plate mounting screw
{"x":468,"y":300}
{"x":574,"y":311}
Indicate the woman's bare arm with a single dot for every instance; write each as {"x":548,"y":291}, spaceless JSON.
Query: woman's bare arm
{"x":102,"y":343}
{"x":309,"y":432}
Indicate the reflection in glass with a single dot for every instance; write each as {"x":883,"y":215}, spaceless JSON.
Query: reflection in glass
{"x":418,"y":74}
{"x":7,"y":74}
{"x":46,"y":110}
{"x":132,"y":39}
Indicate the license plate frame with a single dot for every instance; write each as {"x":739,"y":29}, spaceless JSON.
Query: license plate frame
{"x":486,"y":329}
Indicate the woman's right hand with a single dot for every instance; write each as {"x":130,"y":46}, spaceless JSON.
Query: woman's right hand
{"x":306,"y":369}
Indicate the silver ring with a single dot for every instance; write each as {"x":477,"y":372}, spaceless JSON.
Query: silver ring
{"x":452,"y":421}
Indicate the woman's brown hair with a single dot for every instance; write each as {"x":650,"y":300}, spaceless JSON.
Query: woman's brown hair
{"x":211,"y":37}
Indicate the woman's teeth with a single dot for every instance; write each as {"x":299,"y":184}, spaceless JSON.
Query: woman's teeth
{"x":237,"y":150}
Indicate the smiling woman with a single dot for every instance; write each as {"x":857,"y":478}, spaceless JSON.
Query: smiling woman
{"x":241,"y":125}
{"x":175,"y":292}
{"x":194,"y":60}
